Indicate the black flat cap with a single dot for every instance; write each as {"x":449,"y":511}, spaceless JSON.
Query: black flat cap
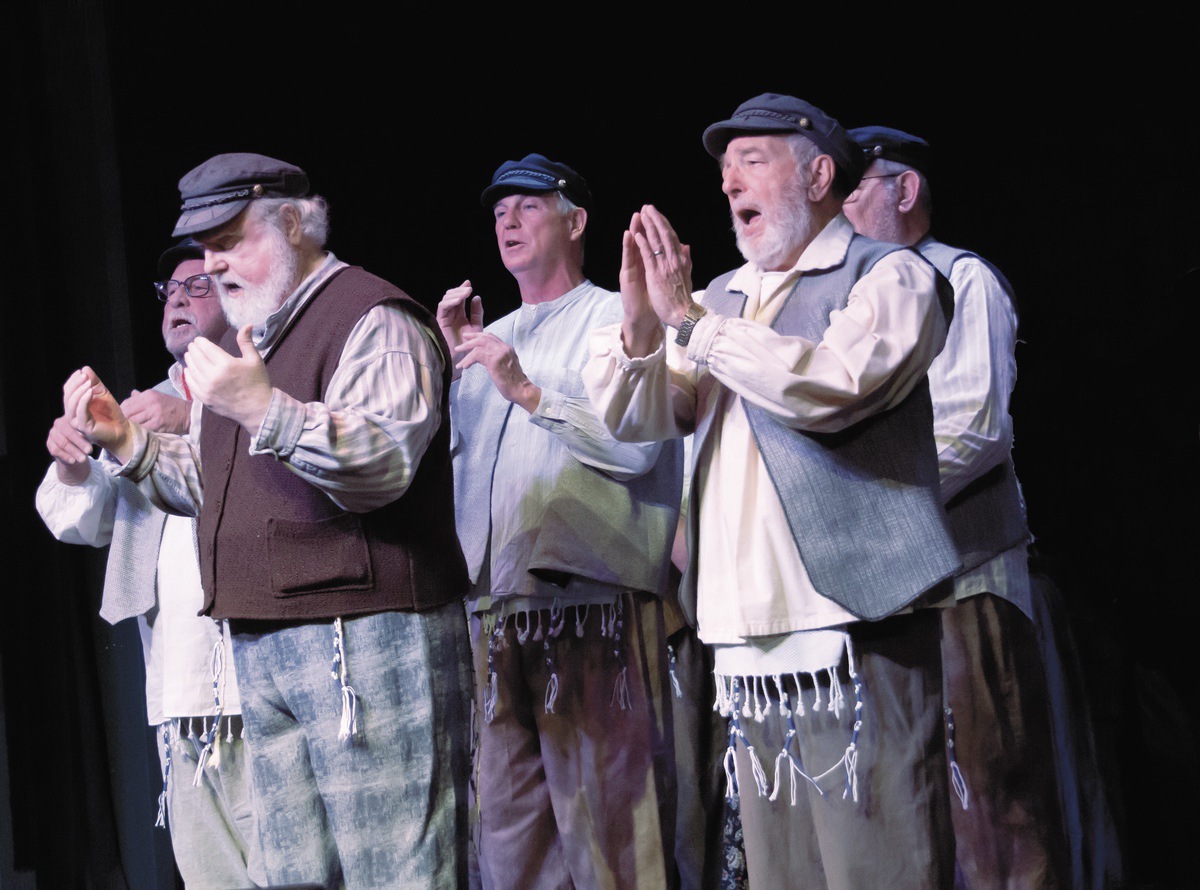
{"x":187,"y":249}
{"x":536,"y":173}
{"x":889,"y":144}
{"x":776,"y":114}
{"x":217,"y":190}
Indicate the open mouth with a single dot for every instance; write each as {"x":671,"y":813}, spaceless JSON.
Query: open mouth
{"x":748,"y":216}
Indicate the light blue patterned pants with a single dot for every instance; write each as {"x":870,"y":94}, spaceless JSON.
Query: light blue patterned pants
{"x":388,"y":806}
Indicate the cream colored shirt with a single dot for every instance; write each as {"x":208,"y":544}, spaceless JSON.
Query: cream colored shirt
{"x":751,"y":582}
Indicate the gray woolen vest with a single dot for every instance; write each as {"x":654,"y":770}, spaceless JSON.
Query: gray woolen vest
{"x":863,"y":504}
{"x":988,"y":516}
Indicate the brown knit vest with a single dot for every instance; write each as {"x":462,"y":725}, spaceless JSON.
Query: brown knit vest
{"x":274,"y":547}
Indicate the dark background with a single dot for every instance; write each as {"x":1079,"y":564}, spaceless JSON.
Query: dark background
{"x":1066,"y":157}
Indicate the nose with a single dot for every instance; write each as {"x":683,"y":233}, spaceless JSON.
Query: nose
{"x":213,"y":262}
{"x":178,"y":297}
{"x":731,"y":181}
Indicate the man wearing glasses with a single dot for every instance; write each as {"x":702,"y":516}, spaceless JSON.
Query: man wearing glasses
{"x":325,"y":523}
{"x":1007,"y":823}
{"x":153,"y":575}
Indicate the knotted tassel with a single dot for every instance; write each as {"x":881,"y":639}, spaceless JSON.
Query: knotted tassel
{"x":161,"y":821}
{"x":492,"y":690}
{"x":348,"y":730}
{"x":674,"y":679}
{"x":956,"y":776}
{"x":785,"y":754}
{"x":209,"y":755}
{"x":552,"y":686}
{"x":621,"y":684}
{"x":730,"y":764}
{"x":558,"y":618}
{"x":620,"y":693}
{"x":851,"y":757}
{"x":799,"y":697}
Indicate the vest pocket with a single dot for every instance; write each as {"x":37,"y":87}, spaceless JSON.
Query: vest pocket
{"x":312,"y":557}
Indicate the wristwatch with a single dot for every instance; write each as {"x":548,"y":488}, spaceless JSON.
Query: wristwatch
{"x":694,"y":314}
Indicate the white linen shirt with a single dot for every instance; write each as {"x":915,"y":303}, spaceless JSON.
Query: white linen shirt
{"x":751,"y":582}
{"x":971,"y":382}
{"x":178,"y":645}
{"x":548,"y":339}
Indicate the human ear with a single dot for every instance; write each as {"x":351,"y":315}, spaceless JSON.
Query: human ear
{"x":908,"y":190}
{"x":821,"y":172}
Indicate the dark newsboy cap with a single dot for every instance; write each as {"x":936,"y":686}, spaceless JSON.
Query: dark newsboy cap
{"x":536,"y":173}
{"x":889,"y":144}
{"x":218,"y":190}
{"x":187,"y":249}
{"x":775,"y":114}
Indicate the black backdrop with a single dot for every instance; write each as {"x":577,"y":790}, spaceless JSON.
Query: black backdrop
{"x":1061,"y":158}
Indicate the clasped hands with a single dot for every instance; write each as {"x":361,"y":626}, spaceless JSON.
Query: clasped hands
{"x":237,"y":387}
{"x":656,"y":280}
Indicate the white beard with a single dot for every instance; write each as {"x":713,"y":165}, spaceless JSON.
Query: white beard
{"x":254,"y":304}
{"x":791,"y":226}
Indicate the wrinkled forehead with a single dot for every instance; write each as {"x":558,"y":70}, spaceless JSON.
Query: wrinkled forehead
{"x":188,"y":268}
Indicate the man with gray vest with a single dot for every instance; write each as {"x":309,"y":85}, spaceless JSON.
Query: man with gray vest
{"x":152,"y":574}
{"x":1007,"y":820}
{"x":816,"y":533}
{"x":322,"y":484}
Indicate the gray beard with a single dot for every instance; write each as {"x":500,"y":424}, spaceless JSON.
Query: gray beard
{"x":256,"y":303}
{"x":781,"y":236}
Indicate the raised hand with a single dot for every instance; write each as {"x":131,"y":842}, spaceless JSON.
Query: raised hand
{"x":460,"y":313}
{"x":667,"y":265}
{"x":158,"y":411}
{"x":237,"y":387}
{"x":502,"y":364}
{"x":91,"y":410}
{"x":70,"y":450}
{"x":641,"y":327}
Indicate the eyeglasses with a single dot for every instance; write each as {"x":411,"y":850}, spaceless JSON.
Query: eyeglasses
{"x":882,"y":176}
{"x":195,"y":286}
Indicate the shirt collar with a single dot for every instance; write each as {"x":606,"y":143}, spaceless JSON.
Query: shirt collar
{"x":175,"y":375}
{"x":278,"y":321}
{"x":540,"y":311}
{"x":825,"y":251}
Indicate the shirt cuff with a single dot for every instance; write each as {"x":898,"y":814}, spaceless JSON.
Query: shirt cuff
{"x":281,"y":427}
{"x":550,"y":406}
{"x":703,"y":333}
{"x":145,"y":451}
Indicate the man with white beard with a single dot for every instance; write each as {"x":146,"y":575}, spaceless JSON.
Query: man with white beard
{"x":815,"y":529}
{"x":326,"y":534}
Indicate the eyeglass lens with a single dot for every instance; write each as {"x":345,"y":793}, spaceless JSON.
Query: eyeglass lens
{"x":195,"y":286}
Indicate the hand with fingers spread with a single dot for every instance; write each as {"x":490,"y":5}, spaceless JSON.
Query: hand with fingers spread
{"x":158,"y":411}
{"x":501,"y":362}
{"x":460,"y":313}
{"x":236,"y":387}
{"x":90,"y":409}
{"x":666,"y":263}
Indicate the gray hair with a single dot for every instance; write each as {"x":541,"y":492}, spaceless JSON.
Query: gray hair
{"x":924,"y":195}
{"x":565,"y":206}
{"x":313,"y":212}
